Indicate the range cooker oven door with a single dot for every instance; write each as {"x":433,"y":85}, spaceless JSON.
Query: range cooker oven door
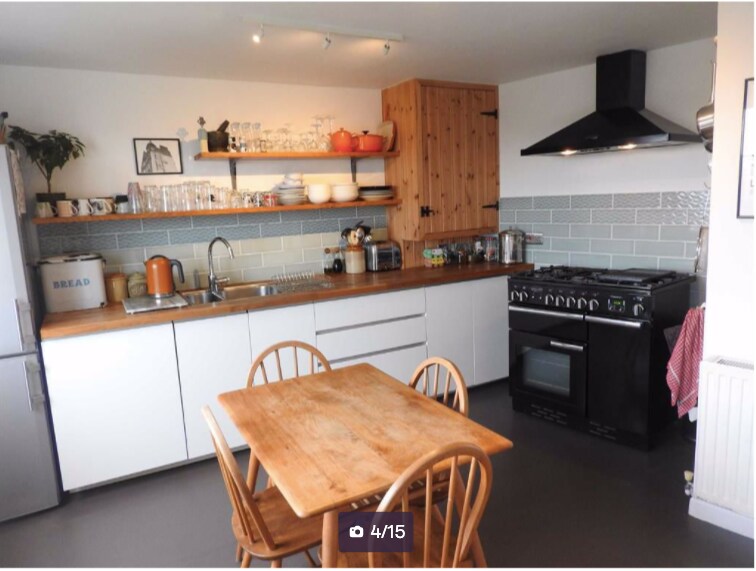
{"x":620,"y":378}
{"x":548,"y":370}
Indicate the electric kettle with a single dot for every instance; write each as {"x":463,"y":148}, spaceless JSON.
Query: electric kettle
{"x":160,"y":276}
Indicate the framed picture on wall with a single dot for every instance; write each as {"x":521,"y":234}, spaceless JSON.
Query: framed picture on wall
{"x":158,"y":156}
{"x":747,"y":150}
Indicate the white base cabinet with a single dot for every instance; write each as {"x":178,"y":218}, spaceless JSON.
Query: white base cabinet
{"x":116,"y":403}
{"x":449,"y":318}
{"x":468,"y":323}
{"x":214,"y":357}
{"x":386,"y":330}
{"x":491,"y":329}
{"x":129,"y":401}
{"x":271,"y":326}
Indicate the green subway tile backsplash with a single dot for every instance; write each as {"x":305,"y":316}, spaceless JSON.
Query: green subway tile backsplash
{"x":647,"y":230}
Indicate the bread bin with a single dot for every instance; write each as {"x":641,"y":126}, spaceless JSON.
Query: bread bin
{"x":73,"y":281}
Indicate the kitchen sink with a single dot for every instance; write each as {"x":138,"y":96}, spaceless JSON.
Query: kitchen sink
{"x":198,"y":297}
{"x":231,"y":292}
{"x":242,"y":291}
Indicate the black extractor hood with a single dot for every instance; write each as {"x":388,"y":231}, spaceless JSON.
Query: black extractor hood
{"x":621,"y":120}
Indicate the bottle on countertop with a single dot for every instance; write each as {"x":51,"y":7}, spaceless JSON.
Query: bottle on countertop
{"x":338,"y":262}
{"x":202,"y":135}
{"x":328,"y":261}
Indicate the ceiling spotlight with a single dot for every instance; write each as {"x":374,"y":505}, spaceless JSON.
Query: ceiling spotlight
{"x":327,"y":41}
{"x":386,"y":48}
{"x":259,"y":35}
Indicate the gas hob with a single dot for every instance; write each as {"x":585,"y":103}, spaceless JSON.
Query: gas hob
{"x":615,"y":293}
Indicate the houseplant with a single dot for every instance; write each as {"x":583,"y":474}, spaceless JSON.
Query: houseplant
{"x":48,"y":151}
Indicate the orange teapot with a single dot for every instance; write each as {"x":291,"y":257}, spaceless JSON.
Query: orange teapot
{"x":341,"y":141}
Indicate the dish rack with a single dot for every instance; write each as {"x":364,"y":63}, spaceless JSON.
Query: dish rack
{"x":302,"y":281}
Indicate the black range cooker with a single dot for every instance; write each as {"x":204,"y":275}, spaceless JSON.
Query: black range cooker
{"x":587,"y":348}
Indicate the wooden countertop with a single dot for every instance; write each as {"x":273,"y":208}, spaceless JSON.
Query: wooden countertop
{"x":71,"y":323}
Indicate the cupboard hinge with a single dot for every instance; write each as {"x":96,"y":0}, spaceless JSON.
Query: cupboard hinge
{"x":493,"y":113}
{"x":426,"y":211}
{"x":492,"y":205}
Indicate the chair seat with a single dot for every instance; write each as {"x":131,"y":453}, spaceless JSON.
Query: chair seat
{"x":416,"y":557}
{"x":291,"y":533}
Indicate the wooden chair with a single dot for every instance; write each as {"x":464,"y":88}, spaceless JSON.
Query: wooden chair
{"x":432,"y":367}
{"x":315,"y":358}
{"x":263,"y":523}
{"x":446,"y":539}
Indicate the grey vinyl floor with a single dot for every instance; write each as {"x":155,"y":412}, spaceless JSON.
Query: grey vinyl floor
{"x":560,"y":499}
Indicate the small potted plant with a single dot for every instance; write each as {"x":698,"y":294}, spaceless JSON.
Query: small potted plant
{"x":48,"y":151}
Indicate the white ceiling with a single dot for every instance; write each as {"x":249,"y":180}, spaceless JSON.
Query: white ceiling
{"x":475,"y":42}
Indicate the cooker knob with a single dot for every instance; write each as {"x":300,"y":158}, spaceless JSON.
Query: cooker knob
{"x":593,"y":305}
{"x":549,"y":299}
{"x":571,"y":302}
{"x":638,"y":310}
{"x":559,"y":300}
{"x":524,"y":296}
{"x":514,"y":295}
{"x":582,"y":303}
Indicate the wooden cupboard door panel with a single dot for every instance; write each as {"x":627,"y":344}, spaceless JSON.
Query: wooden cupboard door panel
{"x":460,"y":158}
{"x":491,"y":322}
{"x":214,"y":357}
{"x":449,"y":325}
{"x":400,"y":363}
{"x":271,"y":326}
{"x":115,"y":402}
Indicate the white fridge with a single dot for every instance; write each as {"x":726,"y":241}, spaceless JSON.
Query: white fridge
{"x":28,"y":471}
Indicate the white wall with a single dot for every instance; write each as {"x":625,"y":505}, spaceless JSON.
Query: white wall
{"x":678,"y":83}
{"x":107,"y":110}
{"x":729,"y":301}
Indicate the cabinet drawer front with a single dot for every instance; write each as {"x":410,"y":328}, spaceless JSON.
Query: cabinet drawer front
{"x":348,"y":343}
{"x":400,"y":363}
{"x":368,"y":309}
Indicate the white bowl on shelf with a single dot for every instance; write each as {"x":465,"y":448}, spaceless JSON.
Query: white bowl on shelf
{"x":319,"y":193}
{"x":345,"y":192}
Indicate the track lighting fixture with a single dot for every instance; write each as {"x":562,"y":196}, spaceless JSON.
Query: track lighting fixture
{"x":327,"y":41}
{"x":386,"y":48}
{"x":259,"y":35}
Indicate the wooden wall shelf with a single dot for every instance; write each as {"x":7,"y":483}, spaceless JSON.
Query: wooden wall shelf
{"x":233,"y":158}
{"x":216,"y":212}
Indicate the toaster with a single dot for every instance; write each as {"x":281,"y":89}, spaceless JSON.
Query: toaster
{"x":382,"y":256}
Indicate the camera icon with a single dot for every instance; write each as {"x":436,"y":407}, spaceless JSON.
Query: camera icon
{"x":356,"y":531}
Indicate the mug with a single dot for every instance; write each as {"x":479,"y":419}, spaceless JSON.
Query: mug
{"x":66,"y":208}
{"x":101,"y":206}
{"x":45,"y":210}
{"x":85,"y":208}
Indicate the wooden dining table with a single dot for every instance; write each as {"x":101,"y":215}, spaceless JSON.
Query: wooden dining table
{"x":330,"y":439}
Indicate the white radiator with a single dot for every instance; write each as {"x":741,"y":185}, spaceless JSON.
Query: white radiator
{"x":724,"y":445}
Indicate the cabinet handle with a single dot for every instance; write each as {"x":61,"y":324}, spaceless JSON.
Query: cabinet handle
{"x":567,"y":346}
{"x":492,"y":205}
{"x":32,"y":369}
{"x":24,"y":316}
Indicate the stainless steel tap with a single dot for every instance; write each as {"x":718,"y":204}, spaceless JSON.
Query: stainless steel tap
{"x":215,"y":282}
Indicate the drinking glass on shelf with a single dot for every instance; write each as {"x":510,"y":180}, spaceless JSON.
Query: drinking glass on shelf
{"x":222,"y":198}
{"x":188,"y":196}
{"x":265,"y":142}
{"x":149,"y":196}
{"x":204,"y":195}
{"x":256,"y":137}
{"x":165,"y":198}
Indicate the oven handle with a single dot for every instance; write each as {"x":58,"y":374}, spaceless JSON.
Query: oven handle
{"x":617,"y":322}
{"x":567,"y":346}
{"x":575,"y":316}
